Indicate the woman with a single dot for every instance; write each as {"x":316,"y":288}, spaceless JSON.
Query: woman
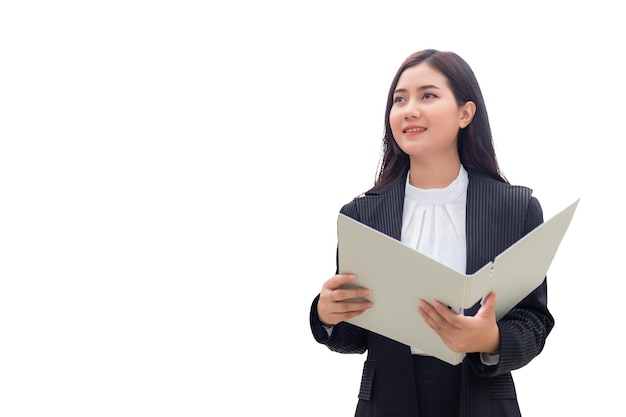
{"x":439,"y":189}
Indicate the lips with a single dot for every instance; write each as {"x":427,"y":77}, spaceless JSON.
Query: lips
{"x":414,"y":129}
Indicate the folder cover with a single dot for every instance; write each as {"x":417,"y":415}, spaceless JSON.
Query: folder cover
{"x":399,"y":277}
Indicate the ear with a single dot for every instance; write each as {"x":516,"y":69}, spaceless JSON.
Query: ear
{"x":467,"y":112}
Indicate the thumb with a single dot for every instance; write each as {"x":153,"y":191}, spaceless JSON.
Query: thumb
{"x":488,"y":307}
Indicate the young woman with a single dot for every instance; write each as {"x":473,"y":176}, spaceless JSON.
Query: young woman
{"x":439,"y":189}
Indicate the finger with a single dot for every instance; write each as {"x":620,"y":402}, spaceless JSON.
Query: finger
{"x":352,"y":307}
{"x":430,"y":321}
{"x":424,"y":307}
{"x":339,"y":280}
{"x":356,"y":306}
{"x":430,"y":315}
{"x":440,"y":317}
{"x":491,"y":298}
{"x":343,"y":294}
{"x":326,"y":294}
{"x":446,"y":312}
{"x":341,"y":311}
{"x":348,"y":315}
{"x":488,"y":305}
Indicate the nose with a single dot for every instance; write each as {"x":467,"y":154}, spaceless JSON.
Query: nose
{"x":412,"y":111}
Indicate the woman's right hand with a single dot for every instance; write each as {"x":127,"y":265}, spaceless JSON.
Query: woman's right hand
{"x":337,"y":304}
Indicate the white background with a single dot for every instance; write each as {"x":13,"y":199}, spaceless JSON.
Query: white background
{"x":171,"y":172}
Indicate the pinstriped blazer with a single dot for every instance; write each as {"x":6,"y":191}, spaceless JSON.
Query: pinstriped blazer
{"x":497,"y":215}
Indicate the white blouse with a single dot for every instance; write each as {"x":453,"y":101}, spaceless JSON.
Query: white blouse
{"x":433,"y":222}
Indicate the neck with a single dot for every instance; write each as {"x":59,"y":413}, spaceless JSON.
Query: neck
{"x":433,"y":175}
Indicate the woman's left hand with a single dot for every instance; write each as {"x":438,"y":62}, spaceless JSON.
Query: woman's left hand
{"x":466,"y":334}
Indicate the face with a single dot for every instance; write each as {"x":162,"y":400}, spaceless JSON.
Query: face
{"x":425,"y":117}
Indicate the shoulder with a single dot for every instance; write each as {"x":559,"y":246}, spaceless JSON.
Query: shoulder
{"x":498,"y":191}
{"x":501,"y":199}
{"x":375,"y":199}
{"x":485,"y":180}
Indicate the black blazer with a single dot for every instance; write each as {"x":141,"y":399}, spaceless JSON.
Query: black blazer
{"x":497,"y":215}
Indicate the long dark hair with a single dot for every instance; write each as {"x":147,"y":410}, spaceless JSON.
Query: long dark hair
{"x":475,"y":142}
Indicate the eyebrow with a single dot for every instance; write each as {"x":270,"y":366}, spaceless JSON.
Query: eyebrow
{"x":424,"y":87}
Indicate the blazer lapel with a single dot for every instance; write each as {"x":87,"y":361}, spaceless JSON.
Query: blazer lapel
{"x":382,"y":209}
{"x":494,"y":218}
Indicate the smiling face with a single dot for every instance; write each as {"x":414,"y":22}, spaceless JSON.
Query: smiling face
{"x":425,"y":117}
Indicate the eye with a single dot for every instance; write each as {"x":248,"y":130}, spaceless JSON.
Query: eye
{"x":399,"y":99}
{"x":428,"y":96}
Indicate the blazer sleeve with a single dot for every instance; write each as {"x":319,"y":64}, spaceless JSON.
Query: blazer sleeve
{"x":524,"y":329}
{"x":345,"y":337}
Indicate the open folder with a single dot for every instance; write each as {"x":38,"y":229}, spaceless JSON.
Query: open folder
{"x":399,"y":277}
